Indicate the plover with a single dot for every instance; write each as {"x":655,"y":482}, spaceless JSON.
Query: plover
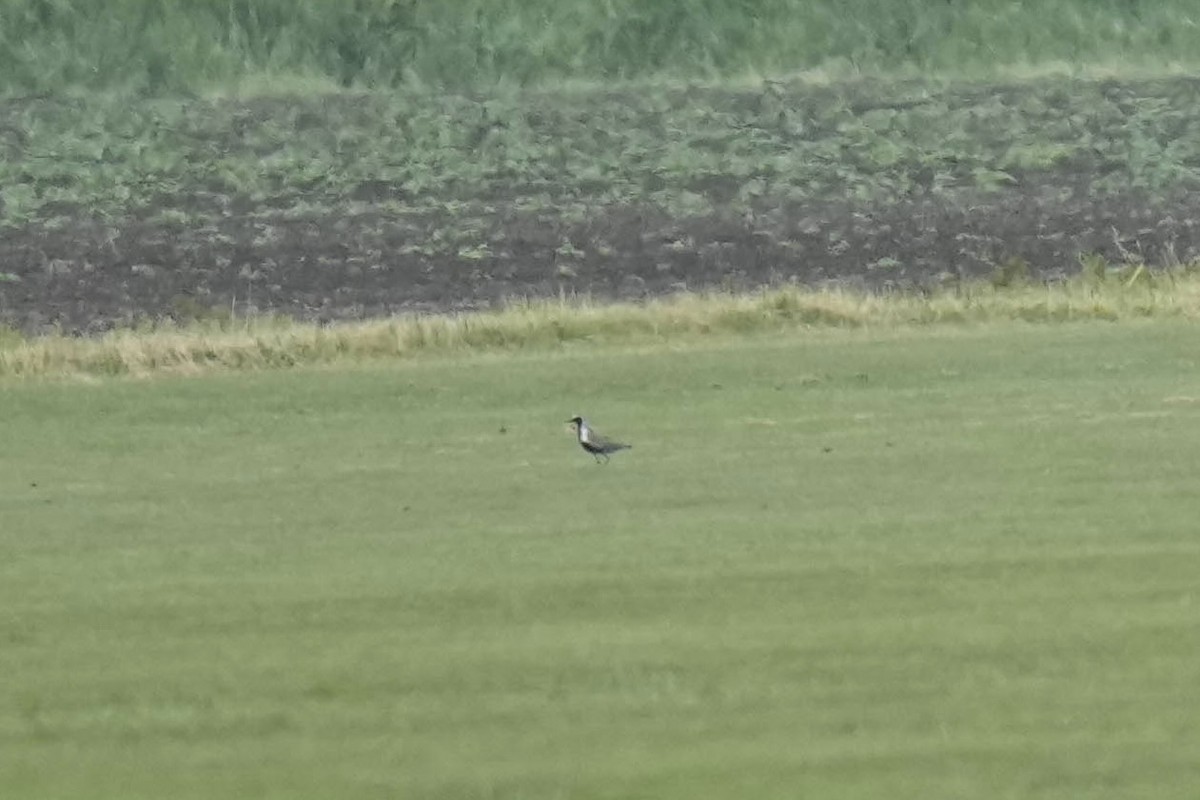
{"x":591,"y":441}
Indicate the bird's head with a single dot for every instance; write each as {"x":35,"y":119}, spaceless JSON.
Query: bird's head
{"x":576,"y":421}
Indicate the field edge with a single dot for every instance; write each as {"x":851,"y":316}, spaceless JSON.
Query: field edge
{"x":269,"y":342}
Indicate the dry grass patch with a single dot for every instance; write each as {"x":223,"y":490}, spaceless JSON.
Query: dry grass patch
{"x":270,"y":343}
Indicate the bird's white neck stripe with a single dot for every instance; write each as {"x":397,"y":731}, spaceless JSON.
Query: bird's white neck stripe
{"x":585,"y":433}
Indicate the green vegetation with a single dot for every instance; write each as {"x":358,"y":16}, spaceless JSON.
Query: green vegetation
{"x":143,"y":45}
{"x":686,"y":151}
{"x":945,"y":563}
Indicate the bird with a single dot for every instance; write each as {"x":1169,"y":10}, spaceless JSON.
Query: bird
{"x":591,"y":441}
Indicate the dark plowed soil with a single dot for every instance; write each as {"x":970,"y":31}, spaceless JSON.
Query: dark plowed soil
{"x":372,"y":250}
{"x":91,"y":277}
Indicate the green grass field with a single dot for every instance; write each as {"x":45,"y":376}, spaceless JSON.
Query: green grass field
{"x":887,"y":562}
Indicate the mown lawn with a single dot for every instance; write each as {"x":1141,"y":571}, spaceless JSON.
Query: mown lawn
{"x":939,"y":563}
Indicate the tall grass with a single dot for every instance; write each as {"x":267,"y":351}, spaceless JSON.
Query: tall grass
{"x":146,"y":45}
{"x":277,"y":343}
